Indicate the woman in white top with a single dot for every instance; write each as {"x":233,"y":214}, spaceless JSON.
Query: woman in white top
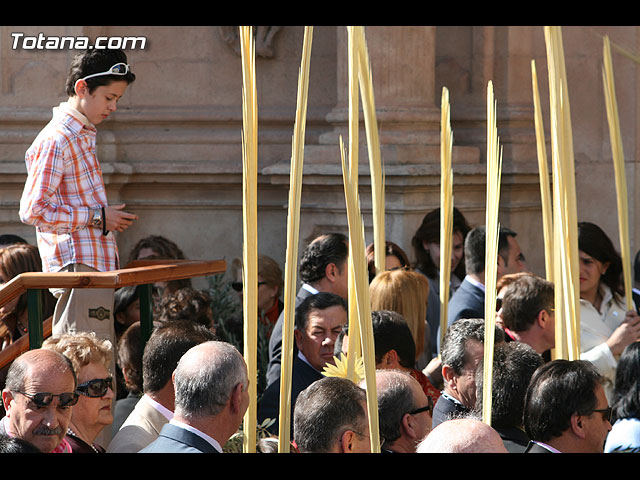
{"x":606,"y":328}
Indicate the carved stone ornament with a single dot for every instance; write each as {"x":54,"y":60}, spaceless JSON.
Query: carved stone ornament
{"x":263,"y":36}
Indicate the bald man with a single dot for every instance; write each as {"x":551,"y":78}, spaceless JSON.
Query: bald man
{"x":462,"y":435}
{"x":38,"y":397}
{"x":211,"y":398}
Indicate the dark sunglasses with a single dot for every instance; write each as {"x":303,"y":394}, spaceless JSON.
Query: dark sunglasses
{"x":44,"y":399}
{"x":606,"y":413}
{"x":237,"y":286}
{"x":427,"y":408}
{"x":95,"y":388}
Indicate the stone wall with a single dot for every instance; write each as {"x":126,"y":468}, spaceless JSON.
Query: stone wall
{"x":172,"y":151}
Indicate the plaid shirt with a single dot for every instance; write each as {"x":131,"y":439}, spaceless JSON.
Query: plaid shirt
{"x":64,"y":183}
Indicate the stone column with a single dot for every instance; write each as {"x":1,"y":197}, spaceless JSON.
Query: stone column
{"x":402,"y":60}
{"x":402,"y":66}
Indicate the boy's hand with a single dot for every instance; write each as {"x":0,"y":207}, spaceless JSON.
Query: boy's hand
{"x":118,"y":220}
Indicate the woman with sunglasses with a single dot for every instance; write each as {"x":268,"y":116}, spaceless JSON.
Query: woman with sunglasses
{"x":91,"y":358}
{"x":606,"y":327}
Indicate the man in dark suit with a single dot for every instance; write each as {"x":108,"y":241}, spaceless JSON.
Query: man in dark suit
{"x":468,"y":300}
{"x":319,"y":321}
{"x":462,"y":351}
{"x":323,"y":268}
{"x":169,"y":341}
{"x":566,"y":409}
{"x":211,"y":399}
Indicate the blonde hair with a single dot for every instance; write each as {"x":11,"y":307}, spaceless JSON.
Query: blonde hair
{"x":82,"y":348}
{"x":404,"y":292}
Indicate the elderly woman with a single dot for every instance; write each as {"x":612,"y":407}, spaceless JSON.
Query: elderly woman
{"x":91,"y":358}
{"x":606,"y":327}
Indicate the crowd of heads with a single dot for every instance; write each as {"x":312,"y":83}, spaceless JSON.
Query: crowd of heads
{"x":189,"y":367}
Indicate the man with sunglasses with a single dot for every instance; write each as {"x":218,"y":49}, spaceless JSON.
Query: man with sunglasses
{"x":566,"y":409}
{"x":38,"y":397}
{"x":404,"y":411}
{"x":64,"y":195}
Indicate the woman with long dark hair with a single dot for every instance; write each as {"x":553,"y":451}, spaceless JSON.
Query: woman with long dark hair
{"x":606,"y":327}
{"x":426,"y":250}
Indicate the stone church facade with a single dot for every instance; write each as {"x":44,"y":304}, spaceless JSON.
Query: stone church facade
{"x":172,"y":152}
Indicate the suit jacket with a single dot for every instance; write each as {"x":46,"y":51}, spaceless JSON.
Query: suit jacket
{"x":175,"y":439}
{"x":302,"y":375}
{"x":140,"y":428}
{"x":467,"y":302}
{"x":533,"y":447}
{"x":515,"y":440}
{"x":122,"y":410}
{"x":275,"y":341}
{"x":445,"y":409}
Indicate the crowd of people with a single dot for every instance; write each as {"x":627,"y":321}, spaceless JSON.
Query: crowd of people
{"x":95,"y":386}
{"x":186,"y":388}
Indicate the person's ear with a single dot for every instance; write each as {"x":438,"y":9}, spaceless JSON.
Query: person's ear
{"x":297,"y":336}
{"x":331,"y":271}
{"x":390,"y":359}
{"x":448,"y":374}
{"x":81,"y":88}
{"x":7,"y":397}
{"x":236,"y":398}
{"x":346,"y":441}
{"x":408,"y":426}
{"x":577,"y":425}
{"x":120,"y":318}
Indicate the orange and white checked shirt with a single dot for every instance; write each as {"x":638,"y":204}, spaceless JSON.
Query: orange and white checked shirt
{"x":64,"y":182}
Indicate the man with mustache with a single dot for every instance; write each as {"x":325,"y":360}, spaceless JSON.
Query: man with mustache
{"x":38,"y":397}
{"x":319,"y":321}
